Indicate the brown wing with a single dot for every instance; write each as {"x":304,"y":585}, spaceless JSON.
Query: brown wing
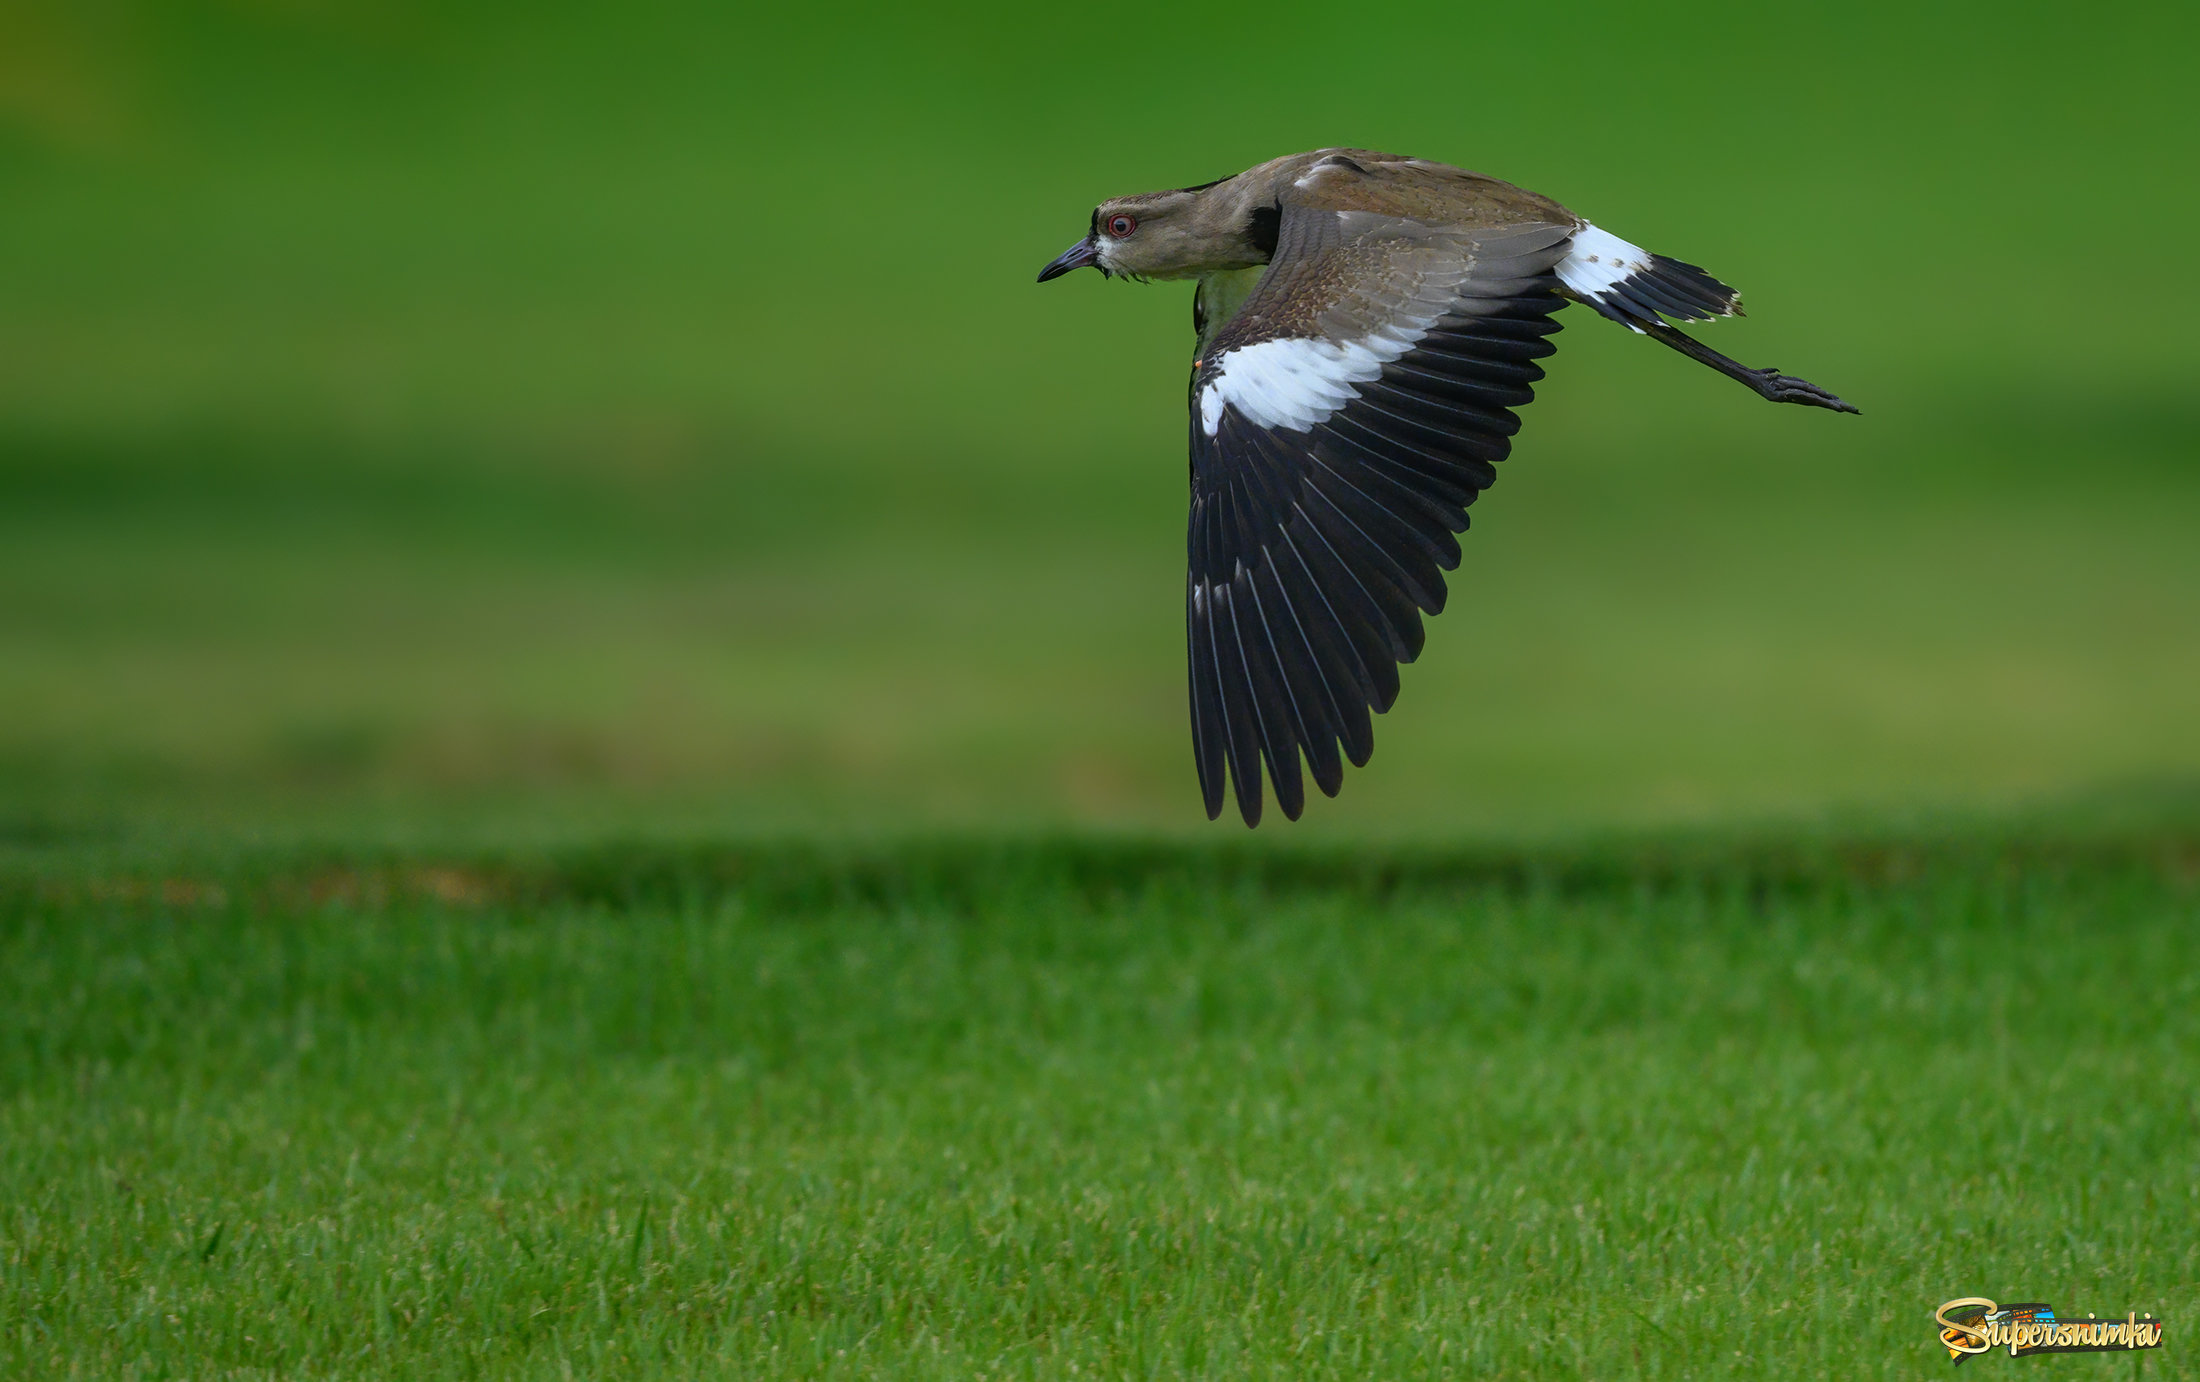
{"x":1342,"y":421}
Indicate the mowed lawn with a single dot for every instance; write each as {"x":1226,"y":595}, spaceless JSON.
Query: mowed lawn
{"x":1693,"y":1109}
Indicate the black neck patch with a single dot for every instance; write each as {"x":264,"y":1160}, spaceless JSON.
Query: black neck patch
{"x":1262,"y":228}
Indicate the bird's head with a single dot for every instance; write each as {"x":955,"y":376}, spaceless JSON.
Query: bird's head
{"x":1176,"y":234}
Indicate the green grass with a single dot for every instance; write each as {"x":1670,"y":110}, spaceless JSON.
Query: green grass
{"x":1680,"y":1108}
{"x":479,"y":412}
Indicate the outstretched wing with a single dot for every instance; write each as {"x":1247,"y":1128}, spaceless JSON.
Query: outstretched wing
{"x":1341,"y":423}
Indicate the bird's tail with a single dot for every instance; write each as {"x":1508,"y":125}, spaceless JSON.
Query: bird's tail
{"x":1635,"y":288}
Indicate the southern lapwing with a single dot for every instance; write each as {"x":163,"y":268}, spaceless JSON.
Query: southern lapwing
{"x":1367,"y":324}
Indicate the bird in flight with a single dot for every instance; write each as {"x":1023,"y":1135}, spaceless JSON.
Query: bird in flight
{"x":1366,"y":326}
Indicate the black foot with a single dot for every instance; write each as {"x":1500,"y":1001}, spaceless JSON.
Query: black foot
{"x":1784,"y":388}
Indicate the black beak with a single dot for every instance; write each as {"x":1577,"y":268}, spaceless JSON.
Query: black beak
{"x":1077,"y":256}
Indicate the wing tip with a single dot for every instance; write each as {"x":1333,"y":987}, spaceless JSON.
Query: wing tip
{"x":1249,"y":801}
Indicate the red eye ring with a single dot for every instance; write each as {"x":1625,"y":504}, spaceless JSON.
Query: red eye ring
{"x":1120,"y":226}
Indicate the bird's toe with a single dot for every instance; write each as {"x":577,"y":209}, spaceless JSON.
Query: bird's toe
{"x":1786,"y":388}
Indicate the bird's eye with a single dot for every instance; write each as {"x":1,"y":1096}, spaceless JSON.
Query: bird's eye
{"x":1120,"y":226}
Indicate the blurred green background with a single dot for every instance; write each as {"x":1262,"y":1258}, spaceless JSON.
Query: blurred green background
{"x":471,"y":416}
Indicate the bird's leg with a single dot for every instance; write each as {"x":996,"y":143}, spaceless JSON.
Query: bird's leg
{"x":1769,"y":383}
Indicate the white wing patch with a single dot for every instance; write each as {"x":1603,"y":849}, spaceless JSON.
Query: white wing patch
{"x":1295,"y":383}
{"x":1597,"y":260}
